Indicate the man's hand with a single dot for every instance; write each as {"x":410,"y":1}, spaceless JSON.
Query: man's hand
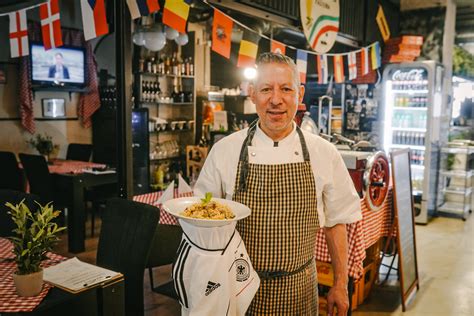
{"x":338,"y":297}
{"x":336,"y":238}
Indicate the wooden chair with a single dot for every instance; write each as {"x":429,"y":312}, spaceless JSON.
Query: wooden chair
{"x":163,"y":252}
{"x":81,"y":152}
{"x":126,"y":235}
{"x":11,"y":175}
{"x":14,"y":197}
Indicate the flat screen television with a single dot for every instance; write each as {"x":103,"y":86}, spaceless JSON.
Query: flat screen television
{"x":58,"y":67}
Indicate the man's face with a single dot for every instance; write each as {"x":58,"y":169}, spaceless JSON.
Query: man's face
{"x":59,"y":60}
{"x":276,"y":96}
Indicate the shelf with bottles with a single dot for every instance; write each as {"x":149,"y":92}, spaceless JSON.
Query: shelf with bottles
{"x":408,"y":139}
{"x":410,"y":102}
{"x":408,"y":146}
{"x":164,"y":75}
{"x":150,"y":92}
{"x":166,"y":65}
{"x":409,"y":120}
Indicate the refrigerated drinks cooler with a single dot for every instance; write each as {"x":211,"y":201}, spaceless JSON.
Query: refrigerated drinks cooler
{"x":412,"y":104}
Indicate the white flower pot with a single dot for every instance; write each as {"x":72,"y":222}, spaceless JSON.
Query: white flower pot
{"x":28,"y":284}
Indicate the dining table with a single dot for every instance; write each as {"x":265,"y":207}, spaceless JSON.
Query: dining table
{"x":105,"y":299}
{"x":72,"y":178}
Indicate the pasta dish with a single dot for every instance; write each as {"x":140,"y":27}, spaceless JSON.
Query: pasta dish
{"x":208,"y":210}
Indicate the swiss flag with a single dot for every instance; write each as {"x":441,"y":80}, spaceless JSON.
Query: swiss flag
{"x":18,"y":34}
{"x":50,"y":24}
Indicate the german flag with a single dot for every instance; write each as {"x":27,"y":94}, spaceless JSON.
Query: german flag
{"x":248,"y":50}
{"x":175,"y":14}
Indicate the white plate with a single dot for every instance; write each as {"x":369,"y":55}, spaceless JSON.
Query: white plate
{"x":176,"y":206}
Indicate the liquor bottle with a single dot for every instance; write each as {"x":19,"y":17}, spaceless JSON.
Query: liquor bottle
{"x":174,"y":64}
{"x":161,"y":66}
{"x":148,"y":65}
{"x":168,"y":65}
{"x":183,"y":68}
{"x":191,"y":66}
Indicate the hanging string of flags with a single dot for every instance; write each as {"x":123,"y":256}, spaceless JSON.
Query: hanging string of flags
{"x":175,"y":15}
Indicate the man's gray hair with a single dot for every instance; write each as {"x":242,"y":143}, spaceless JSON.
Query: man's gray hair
{"x":269,"y":57}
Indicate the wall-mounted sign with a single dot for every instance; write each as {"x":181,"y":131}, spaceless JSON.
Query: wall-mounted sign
{"x":320,"y":20}
{"x":382,"y":23}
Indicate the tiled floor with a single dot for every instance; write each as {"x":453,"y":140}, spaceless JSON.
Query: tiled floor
{"x":445,"y":263}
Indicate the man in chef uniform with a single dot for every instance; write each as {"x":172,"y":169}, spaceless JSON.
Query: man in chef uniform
{"x":295,"y":183}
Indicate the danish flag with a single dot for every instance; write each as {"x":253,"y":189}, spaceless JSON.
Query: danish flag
{"x":18,"y":34}
{"x":50,"y":24}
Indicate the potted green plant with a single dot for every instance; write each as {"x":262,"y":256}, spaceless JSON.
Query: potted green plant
{"x":35,"y":235}
{"x":43,"y":144}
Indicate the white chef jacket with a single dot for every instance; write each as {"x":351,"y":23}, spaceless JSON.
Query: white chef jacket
{"x":334,"y":186}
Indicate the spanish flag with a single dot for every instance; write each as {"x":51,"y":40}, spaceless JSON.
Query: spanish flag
{"x":221,"y":33}
{"x":338,"y":69}
{"x":278,"y":48}
{"x":248,"y":50}
{"x":175,"y":14}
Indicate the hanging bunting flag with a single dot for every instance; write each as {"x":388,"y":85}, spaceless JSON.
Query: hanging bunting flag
{"x":338,"y":69}
{"x":248,"y":49}
{"x":18,"y":34}
{"x":352,"y":65}
{"x":277,"y":47}
{"x":94,"y":21}
{"x":175,"y":14}
{"x":364,"y":58}
{"x":221,"y":33}
{"x":320,"y":20}
{"x":375,"y":54}
{"x":50,"y":24}
{"x":140,"y":8}
{"x":302,"y":64}
{"x":322,"y":66}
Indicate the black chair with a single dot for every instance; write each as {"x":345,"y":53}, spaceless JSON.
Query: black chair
{"x":14,"y":197}
{"x":126,"y":235}
{"x":39,"y":178}
{"x":81,"y":152}
{"x":11,"y":174}
{"x":163,"y":252}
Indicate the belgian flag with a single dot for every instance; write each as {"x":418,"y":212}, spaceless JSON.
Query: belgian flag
{"x":248,"y":49}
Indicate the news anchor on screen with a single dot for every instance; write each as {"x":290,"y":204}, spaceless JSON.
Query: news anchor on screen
{"x":58,"y":70}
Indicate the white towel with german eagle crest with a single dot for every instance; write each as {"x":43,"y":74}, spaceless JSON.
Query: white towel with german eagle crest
{"x":213,"y":274}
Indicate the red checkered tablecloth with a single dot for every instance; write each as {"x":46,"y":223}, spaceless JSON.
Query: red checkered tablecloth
{"x":152,"y":198}
{"x":360,"y":235}
{"x":72,"y":166}
{"x":10,"y":302}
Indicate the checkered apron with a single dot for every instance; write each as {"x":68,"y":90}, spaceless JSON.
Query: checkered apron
{"x":280,"y":234}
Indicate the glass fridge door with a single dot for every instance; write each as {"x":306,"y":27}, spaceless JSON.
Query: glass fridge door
{"x":406,"y":115}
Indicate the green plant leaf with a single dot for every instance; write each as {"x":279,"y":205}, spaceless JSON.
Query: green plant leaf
{"x":207,"y":198}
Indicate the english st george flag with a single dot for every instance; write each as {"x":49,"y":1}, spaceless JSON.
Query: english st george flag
{"x":50,"y":24}
{"x":140,"y":8}
{"x":221,"y":33}
{"x":18,"y":34}
{"x":352,"y":60}
{"x":94,"y":20}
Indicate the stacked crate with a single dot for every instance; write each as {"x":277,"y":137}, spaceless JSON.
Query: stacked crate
{"x":402,"y":49}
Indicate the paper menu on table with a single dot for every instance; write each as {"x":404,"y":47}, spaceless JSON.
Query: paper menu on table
{"x":74,"y":275}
